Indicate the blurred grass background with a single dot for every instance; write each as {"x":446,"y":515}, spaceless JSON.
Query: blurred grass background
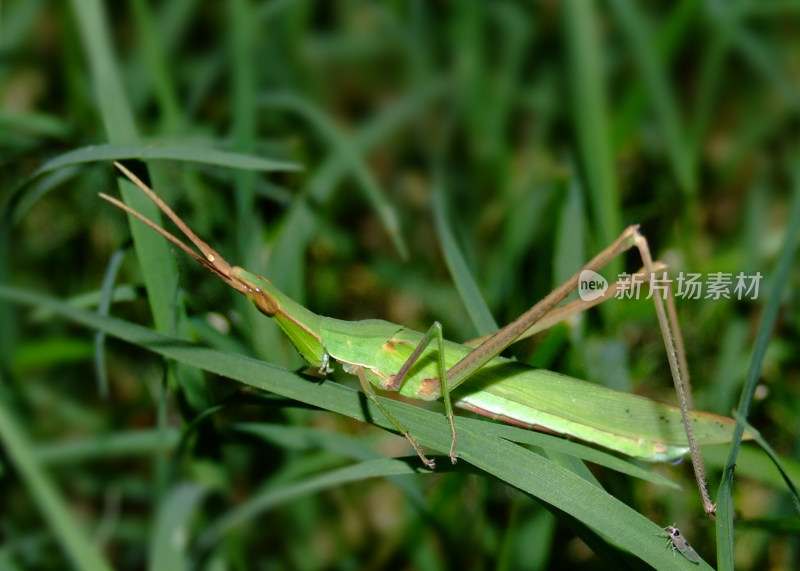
{"x":546,"y":127}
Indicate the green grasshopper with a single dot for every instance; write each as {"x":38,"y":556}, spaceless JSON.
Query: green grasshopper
{"x":394,"y":358}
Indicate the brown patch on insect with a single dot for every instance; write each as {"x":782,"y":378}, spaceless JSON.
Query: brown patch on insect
{"x":430,"y":388}
{"x":390,"y":345}
{"x":388,"y":383}
{"x":660,"y":448}
{"x":263,"y":301}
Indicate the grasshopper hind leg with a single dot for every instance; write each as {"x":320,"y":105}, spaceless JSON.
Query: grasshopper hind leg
{"x":362,"y":377}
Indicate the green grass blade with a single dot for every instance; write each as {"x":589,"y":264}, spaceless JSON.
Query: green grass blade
{"x":121,"y":293}
{"x":716,"y":49}
{"x":785,"y":263}
{"x":666,"y":108}
{"x":344,"y":145}
{"x":301,"y":438}
{"x":155,"y":61}
{"x":766,"y":61}
{"x":113,"y":445}
{"x":466,"y":286}
{"x":511,"y":463}
{"x":570,"y":240}
{"x":34,"y":124}
{"x":27,"y":193}
{"x":305,"y":438}
{"x":158,"y":266}
{"x":286,"y":264}
{"x":776,"y":460}
{"x":576,"y":449}
{"x":49,"y":352}
{"x":753,"y":464}
{"x":65,"y":525}
{"x":170,"y":535}
{"x":241,"y":33}
{"x":241,"y":42}
{"x":183,"y":151}
{"x":112,"y":98}
{"x":107,"y":292}
{"x":590,"y":120}
{"x":672,"y":34}
{"x":274,"y":496}
{"x":7,"y":561}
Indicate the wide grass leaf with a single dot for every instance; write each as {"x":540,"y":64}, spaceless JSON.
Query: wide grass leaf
{"x":534,"y":474}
